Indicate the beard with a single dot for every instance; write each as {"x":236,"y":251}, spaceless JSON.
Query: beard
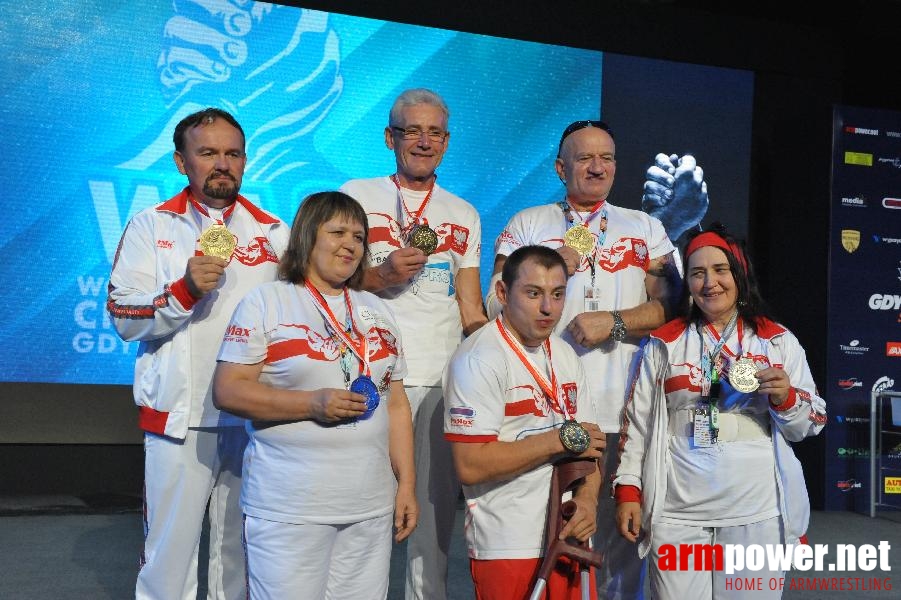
{"x":221,"y":189}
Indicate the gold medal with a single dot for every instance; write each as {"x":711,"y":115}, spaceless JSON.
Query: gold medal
{"x":741,"y":375}
{"x":579,"y":238}
{"x":217,"y":241}
{"x":424,"y":238}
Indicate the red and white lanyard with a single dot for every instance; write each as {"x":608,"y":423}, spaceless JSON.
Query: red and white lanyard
{"x":416,"y":218}
{"x":599,"y":209}
{"x":550,"y":388}
{"x":203,"y":210}
{"x":360,"y":348}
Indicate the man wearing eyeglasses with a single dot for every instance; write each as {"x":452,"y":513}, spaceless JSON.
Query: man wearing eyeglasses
{"x":623,"y":284}
{"x":425,"y":244}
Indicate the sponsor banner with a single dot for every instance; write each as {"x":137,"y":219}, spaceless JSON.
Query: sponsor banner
{"x":864,"y":296}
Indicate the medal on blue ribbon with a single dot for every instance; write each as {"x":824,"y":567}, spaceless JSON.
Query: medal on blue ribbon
{"x":364,"y":386}
{"x":358,"y":344}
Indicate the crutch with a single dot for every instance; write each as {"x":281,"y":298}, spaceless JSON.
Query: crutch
{"x":567,"y":472}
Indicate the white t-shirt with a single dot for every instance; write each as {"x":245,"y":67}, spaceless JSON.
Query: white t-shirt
{"x":490,"y":395}
{"x":632,"y":240}
{"x":253,"y":262}
{"x":427,"y":308}
{"x":306,"y":472}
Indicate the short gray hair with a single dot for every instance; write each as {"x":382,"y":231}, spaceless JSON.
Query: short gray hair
{"x":415,"y":96}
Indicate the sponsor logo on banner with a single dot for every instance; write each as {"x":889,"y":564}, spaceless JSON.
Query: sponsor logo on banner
{"x":885,"y":240}
{"x":892,"y":485}
{"x":861,"y":131}
{"x":851,"y":420}
{"x":894,"y":134}
{"x":848,"y":485}
{"x":893,"y":349}
{"x":853,"y":452}
{"x":856,"y":201}
{"x":883,"y":383}
{"x":894,"y":452}
{"x":850,"y":240}
{"x":899,"y":273}
{"x":884,"y":302}
{"x":849,"y":383}
{"x":891,"y":202}
{"x":892,"y":162}
{"x":853,"y":348}
{"x":864,"y":159}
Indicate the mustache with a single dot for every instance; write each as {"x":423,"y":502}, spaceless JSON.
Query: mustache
{"x":215,"y":174}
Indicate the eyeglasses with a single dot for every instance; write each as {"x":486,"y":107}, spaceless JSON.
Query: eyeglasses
{"x":577,"y":125}
{"x":415,"y":133}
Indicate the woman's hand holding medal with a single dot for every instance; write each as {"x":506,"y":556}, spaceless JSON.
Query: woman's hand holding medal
{"x":329,"y":405}
{"x":775,"y":383}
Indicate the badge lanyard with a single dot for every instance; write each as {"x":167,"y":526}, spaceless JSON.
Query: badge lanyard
{"x":361,"y":348}
{"x":550,"y":388}
{"x":416,"y":218}
{"x":592,"y":294}
{"x":710,"y":386}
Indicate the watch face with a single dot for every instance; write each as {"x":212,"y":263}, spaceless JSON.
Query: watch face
{"x":618,"y":331}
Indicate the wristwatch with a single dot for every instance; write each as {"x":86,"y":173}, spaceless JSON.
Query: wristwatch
{"x":618,"y":331}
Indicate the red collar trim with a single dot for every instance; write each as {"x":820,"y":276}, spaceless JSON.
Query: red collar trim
{"x":670,"y":331}
{"x":178,"y":204}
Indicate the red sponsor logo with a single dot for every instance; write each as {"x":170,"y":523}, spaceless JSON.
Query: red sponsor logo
{"x":237,"y":331}
{"x":461,"y":422}
{"x":851,"y":382}
{"x":893,"y":349}
{"x":506,"y":238}
{"x":234,"y":333}
{"x":164,"y":244}
{"x":891,"y":202}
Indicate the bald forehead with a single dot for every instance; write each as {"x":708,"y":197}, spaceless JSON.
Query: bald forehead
{"x":592,"y":140}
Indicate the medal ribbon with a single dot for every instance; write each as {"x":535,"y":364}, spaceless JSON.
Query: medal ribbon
{"x":550,"y":388}
{"x":361,"y":348}
{"x":202,"y":210}
{"x":416,"y":217}
{"x":708,"y":361}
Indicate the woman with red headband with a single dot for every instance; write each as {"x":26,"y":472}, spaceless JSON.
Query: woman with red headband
{"x":717,"y":396}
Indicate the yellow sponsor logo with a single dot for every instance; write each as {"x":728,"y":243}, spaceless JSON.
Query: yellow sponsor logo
{"x":893,"y":485}
{"x":850,"y":239}
{"x":859,"y":158}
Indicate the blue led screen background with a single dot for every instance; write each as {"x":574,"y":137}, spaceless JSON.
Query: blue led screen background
{"x":91,"y":92}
